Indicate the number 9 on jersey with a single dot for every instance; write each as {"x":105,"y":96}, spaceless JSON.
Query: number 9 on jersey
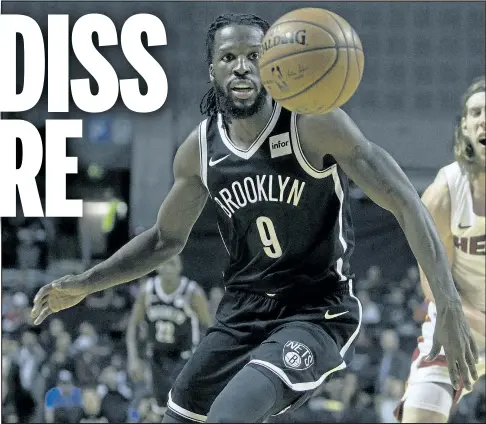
{"x":271,"y":246}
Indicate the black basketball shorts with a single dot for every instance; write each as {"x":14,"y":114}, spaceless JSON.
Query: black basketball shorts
{"x":300,"y":341}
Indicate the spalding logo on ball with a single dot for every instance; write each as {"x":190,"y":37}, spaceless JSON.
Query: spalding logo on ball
{"x":311,"y":61}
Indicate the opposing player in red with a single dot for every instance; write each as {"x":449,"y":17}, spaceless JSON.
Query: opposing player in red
{"x":456,"y":200}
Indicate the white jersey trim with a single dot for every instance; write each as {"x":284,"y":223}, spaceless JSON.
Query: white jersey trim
{"x":168,"y":297}
{"x":248,"y":153}
{"x":184,"y":412}
{"x":462,"y":211}
{"x":313,"y":172}
{"x":203,"y":151}
{"x":221,"y":235}
{"x":299,"y":154}
{"x":360,"y":313}
{"x":298,"y":387}
{"x":340,"y":194}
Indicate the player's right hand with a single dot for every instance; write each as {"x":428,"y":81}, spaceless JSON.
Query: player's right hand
{"x":135,"y":369}
{"x":453,"y":333}
{"x":56,"y":296}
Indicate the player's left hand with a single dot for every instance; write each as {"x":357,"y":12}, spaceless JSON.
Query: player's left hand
{"x":452,"y":332}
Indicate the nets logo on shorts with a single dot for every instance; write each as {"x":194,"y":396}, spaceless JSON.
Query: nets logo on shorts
{"x":297,"y":356}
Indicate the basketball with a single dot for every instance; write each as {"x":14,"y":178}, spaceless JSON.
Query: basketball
{"x":311,"y":61}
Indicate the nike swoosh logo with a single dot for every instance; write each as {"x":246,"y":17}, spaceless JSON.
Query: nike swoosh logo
{"x":214,"y":162}
{"x":331,"y":316}
{"x":464,"y":227}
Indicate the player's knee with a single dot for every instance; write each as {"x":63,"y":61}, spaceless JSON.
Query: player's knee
{"x":427,"y":402}
{"x":419,"y":415}
{"x":248,"y":398}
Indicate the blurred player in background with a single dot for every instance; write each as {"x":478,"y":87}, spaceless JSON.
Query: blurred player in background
{"x":288,"y":318}
{"x":175,"y":311}
{"x":456,"y":200}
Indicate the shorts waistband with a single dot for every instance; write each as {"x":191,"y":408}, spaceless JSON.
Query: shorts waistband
{"x":303,"y":294}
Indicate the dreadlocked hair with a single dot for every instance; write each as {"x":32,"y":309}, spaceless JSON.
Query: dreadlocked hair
{"x":209,"y":103}
{"x":463,"y":149}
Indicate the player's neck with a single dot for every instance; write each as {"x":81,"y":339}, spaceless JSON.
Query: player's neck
{"x":170,"y":285}
{"x":243,"y":132}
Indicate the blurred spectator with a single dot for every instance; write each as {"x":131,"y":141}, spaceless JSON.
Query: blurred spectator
{"x":119,"y":366}
{"x":87,"y":339}
{"x":146,"y":411}
{"x":9,"y":243}
{"x":115,"y":399}
{"x":60,"y":359}
{"x":394,"y":363}
{"x":390,"y":397}
{"x":15,"y":313}
{"x":19,"y":401}
{"x":29,"y":248}
{"x":480,"y":409}
{"x":87,"y":368}
{"x":365,"y":361}
{"x":92,"y":407}
{"x":9,"y":413}
{"x":394,"y":314}
{"x":30,"y":358}
{"x":30,"y":239}
{"x":374,"y":283}
{"x":362,"y":409}
{"x":63,"y":401}
{"x":410,"y":282}
{"x":48,"y":337}
{"x":371,"y":311}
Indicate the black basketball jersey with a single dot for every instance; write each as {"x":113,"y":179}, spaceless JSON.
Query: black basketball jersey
{"x":284,"y":223}
{"x":173,"y":327}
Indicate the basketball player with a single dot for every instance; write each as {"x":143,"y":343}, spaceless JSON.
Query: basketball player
{"x":456,"y":200}
{"x":173,"y":308}
{"x":288,"y":318}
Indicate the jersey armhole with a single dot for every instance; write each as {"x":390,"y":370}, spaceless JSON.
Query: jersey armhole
{"x":299,"y":154}
{"x":451,"y":191}
{"x":203,"y":152}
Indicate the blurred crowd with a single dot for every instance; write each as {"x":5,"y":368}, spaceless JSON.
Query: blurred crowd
{"x":72,"y":369}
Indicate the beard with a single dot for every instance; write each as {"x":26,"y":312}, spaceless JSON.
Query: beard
{"x":230,"y":109}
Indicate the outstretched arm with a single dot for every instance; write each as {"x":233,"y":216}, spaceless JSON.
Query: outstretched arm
{"x":382,"y":180}
{"x":142,"y":254}
{"x":176,"y":217}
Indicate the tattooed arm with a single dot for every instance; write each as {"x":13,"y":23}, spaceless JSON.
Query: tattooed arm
{"x":177,"y":215}
{"x":382,"y":180}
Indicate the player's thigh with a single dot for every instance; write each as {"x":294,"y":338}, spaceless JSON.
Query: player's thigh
{"x":216,"y":360}
{"x":417,"y":415}
{"x":302,"y":355}
{"x":428,"y":402}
